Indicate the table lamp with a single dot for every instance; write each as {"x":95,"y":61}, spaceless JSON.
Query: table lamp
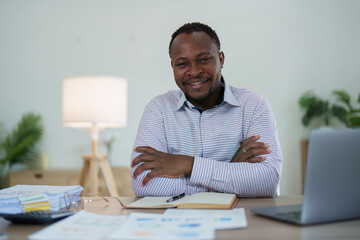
{"x":95,"y":103}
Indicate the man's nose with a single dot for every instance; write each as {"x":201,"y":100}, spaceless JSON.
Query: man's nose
{"x":194,"y":70}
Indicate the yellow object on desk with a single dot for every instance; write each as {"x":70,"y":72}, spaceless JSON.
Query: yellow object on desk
{"x":38,"y":208}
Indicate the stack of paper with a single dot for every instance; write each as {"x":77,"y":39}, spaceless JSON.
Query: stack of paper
{"x":24,"y":198}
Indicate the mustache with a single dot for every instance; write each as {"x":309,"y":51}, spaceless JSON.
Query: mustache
{"x":199,"y":78}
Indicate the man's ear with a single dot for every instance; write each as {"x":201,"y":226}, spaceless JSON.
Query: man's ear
{"x":222,"y":58}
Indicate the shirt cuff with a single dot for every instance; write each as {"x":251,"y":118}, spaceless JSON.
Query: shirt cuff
{"x":210,"y":174}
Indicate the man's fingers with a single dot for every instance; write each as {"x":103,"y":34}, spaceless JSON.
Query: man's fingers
{"x":250,"y":139}
{"x":141,"y":168}
{"x":254,"y":145}
{"x":241,"y":156}
{"x":256,"y":152}
{"x":256,"y":159}
{"x":142,"y":158}
{"x":147,"y":155}
{"x":148,"y":177}
{"x":145,"y":149}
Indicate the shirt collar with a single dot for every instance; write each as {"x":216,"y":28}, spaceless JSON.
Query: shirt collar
{"x":228,"y":97}
{"x":181,"y":101}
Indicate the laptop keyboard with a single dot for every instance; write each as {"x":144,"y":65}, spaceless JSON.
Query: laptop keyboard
{"x":291,"y":216}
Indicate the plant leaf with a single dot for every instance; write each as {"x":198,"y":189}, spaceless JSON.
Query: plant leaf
{"x":313,"y":106}
{"x":342,"y":96}
{"x":340,"y":112}
{"x":318,"y":108}
{"x":21,"y":144}
{"x":354,"y":119}
{"x":307,"y":99}
{"x":354,"y":122}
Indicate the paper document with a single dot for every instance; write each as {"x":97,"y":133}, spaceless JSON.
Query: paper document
{"x":157,"y":226}
{"x":82,"y":225}
{"x":219,"y":219}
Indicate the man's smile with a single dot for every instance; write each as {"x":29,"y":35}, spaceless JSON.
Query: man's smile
{"x":197,"y":83}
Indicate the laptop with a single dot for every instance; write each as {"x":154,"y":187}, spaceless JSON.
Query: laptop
{"x":332,"y":182}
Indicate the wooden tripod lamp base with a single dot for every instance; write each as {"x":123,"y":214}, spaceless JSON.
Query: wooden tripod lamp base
{"x":90,"y":174}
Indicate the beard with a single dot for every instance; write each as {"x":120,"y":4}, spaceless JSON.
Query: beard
{"x":204,"y":98}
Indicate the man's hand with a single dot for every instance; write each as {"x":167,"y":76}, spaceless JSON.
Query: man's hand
{"x":250,"y":149}
{"x":161,"y":164}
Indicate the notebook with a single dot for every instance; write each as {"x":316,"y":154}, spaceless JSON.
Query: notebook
{"x":332,"y":191}
{"x":207,"y":200}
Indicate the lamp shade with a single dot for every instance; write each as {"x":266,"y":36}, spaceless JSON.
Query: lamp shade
{"x":89,"y":101}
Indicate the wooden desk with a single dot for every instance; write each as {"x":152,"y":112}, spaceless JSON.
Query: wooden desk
{"x":258,"y":227}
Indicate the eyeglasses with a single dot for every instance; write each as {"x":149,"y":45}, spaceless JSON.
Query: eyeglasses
{"x":71,"y":202}
{"x":106,"y":199}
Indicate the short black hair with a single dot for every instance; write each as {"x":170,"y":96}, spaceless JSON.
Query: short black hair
{"x":195,"y":27}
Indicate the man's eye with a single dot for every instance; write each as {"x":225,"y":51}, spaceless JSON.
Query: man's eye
{"x":181,"y":64}
{"x":204,"y":60}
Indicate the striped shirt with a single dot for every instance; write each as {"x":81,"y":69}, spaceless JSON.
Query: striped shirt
{"x":172,"y":124}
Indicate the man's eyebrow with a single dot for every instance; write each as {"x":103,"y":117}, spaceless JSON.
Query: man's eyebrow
{"x":197,"y":55}
{"x":180,"y":59}
{"x":202,"y":53}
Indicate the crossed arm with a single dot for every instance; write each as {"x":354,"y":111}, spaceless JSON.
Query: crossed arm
{"x":163,"y":174}
{"x":253,"y":171}
{"x":162,"y":164}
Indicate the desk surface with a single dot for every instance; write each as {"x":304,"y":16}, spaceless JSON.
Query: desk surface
{"x":258,"y":227}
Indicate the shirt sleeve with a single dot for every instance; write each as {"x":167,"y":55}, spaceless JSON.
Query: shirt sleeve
{"x":243,"y":178}
{"x":151,"y":133}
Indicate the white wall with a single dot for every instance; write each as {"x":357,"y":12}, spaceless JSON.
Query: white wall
{"x":278,"y":48}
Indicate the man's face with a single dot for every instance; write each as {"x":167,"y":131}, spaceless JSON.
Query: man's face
{"x":197,"y":64}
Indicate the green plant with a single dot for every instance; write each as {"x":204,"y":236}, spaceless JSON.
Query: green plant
{"x":340,"y":108}
{"x":344,"y":110}
{"x":21,"y":145}
{"x":314,"y":107}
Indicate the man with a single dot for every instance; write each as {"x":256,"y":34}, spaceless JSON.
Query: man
{"x":204,"y":137}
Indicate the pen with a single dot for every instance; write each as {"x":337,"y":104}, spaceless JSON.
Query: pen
{"x":176,"y":198}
